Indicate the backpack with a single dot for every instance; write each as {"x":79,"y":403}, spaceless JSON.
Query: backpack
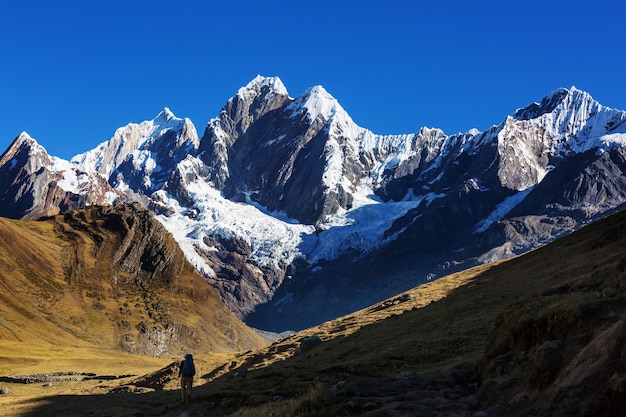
{"x":187,"y":366}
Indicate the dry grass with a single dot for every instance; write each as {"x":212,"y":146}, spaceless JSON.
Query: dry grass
{"x":60,"y":286}
{"x":87,"y":397}
{"x":19,"y":358}
{"x":27,"y":359}
{"x":309,"y":403}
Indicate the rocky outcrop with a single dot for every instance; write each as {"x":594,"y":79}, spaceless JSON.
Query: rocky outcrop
{"x":140,"y":246}
{"x":241,"y":284}
{"x":144,"y":261}
{"x":257,"y":101}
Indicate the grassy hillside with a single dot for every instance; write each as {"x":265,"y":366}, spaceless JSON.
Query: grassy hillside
{"x":109,"y":278}
{"x":541,"y":334}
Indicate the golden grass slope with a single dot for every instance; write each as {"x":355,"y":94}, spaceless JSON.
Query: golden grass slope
{"x":109,"y":278}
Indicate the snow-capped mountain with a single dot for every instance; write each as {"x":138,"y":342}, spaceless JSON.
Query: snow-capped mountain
{"x":296,"y":214}
{"x":140,"y":156}
{"x":34,"y":183}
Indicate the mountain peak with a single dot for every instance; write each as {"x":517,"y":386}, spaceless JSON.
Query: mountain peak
{"x":259,"y":83}
{"x":24,"y":136}
{"x":23,"y":139}
{"x":547,"y":105}
{"x":21,"y":142}
{"x":568,"y":98}
{"x":317,"y":102}
{"x":579,"y":96}
{"x":166,"y":114}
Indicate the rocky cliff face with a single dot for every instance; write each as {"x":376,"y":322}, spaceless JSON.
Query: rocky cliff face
{"x":281,"y":193}
{"x":275,"y":151}
{"x":140,"y":246}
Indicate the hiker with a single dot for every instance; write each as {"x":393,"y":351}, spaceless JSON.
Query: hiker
{"x":186,"y":371}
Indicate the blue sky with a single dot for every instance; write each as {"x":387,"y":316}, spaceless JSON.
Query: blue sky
{"x":72,"y":72}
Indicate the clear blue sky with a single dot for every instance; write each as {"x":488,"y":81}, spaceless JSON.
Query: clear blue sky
{"x":71,"y":72}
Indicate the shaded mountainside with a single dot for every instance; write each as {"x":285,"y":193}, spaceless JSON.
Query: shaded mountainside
{"x":542,"y":334}
{"x":293,"y":213}
{"x":109,"y":276}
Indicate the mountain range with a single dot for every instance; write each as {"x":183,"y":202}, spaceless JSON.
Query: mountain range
{"x":296,"y":215}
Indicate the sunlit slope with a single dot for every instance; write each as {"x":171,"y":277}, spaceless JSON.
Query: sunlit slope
{"x":109,"y":277}
{"x":32,"y":282}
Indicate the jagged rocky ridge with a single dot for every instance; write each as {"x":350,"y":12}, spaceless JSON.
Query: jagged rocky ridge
{"x":297,"y":215}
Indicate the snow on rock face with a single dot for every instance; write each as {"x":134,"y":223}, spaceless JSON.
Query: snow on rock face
{"x":145,"y":136}
{"x":273,"y":84}
{"x":70,"y":179}
{"x":260,"y":96}
{"x":317,"y":103}
{"x":566,"y":122}
{"x":576,"y":122}
{"x":272,"y":240}
{"x":523,"y":159}
{"x":24,"y":146}
{"x":307,"y":149}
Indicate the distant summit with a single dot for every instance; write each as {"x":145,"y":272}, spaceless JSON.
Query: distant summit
{"x":547,"y":105}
